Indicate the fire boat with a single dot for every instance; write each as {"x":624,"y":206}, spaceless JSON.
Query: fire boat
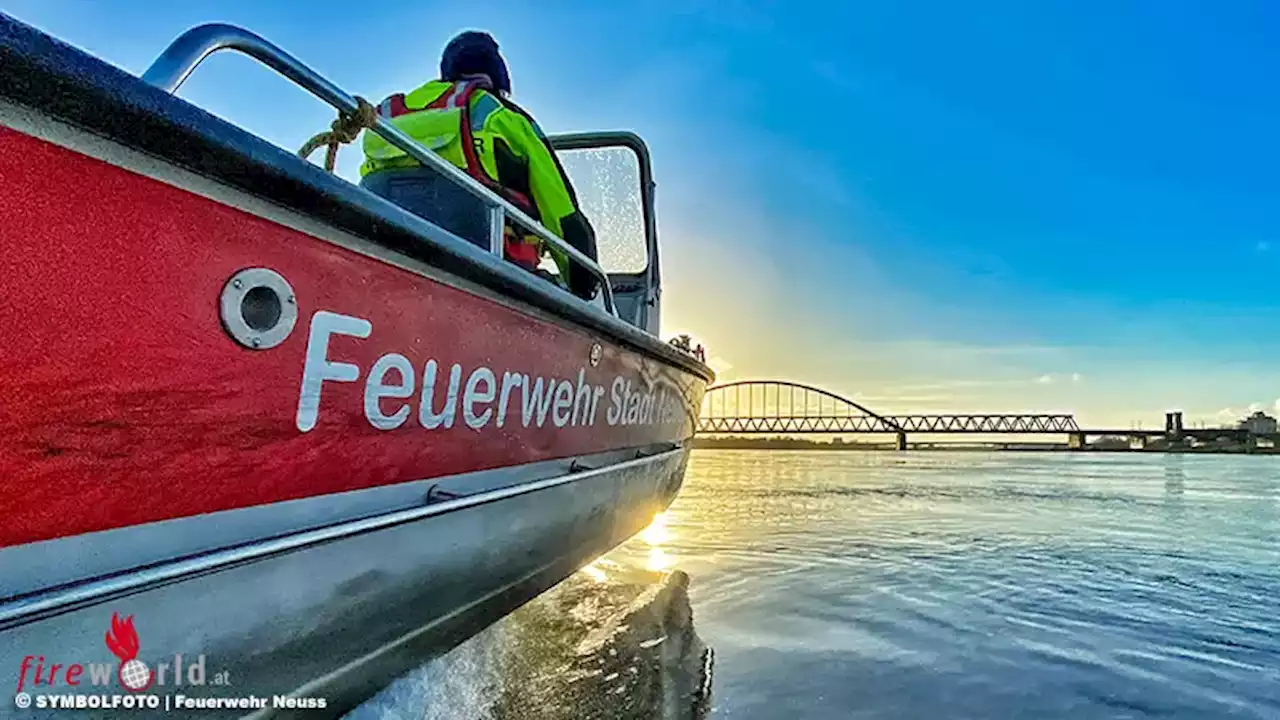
{"x":260,"y":423}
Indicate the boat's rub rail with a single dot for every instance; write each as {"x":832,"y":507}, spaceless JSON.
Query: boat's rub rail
{"x":456,"y":488}
{"x":39,"y":72}
{"x":34,"y":606}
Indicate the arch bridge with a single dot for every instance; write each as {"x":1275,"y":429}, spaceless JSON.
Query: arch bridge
{"x":781,"y":407}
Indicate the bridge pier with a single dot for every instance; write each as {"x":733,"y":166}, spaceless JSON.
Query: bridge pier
{"x":1075,"y":441}
{"x":902,"y":441}
{"x":1173,"y":426}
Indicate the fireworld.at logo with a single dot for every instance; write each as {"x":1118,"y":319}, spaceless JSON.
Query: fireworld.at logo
{"x":133,"y":674}
{"x":122,"y":641}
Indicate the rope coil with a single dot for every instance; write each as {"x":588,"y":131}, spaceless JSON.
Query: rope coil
{"x":345,"y":129}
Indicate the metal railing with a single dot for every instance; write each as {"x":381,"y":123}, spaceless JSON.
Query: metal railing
{"x":184,"y":54}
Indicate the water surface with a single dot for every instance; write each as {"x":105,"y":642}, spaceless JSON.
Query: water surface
{"x":975,"y":585}
{"x":918,"y":585}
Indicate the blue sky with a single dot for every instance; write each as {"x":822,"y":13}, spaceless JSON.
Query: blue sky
{"x":929,"y":206}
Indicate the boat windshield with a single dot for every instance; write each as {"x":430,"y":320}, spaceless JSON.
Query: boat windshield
{"x":607,"y":181}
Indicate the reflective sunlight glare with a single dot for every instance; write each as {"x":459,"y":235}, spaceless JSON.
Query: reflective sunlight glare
{"x":655,"y":536}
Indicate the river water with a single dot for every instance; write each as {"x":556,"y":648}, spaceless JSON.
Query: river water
{"x":966,"y":585}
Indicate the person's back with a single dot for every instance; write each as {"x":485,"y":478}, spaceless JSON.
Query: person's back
{"x":465,"y":118}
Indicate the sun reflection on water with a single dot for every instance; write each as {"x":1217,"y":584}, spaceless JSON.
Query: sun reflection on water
{"x":648,"y":550}
{"x":655,"y":536}
{"x":595,"y":572}
{"x":659,"y":560}
{"x":657,"y":532}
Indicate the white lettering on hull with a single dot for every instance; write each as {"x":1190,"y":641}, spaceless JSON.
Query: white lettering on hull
{"x":376,"y":389}
{"x":318,"y":368}
{"x":475,"y":395}
{"x":392,"y":380}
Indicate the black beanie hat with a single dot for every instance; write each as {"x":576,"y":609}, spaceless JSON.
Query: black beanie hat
{"x":474,"y":53}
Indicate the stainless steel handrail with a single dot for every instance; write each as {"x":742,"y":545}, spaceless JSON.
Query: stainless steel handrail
{"x":180,"y":59}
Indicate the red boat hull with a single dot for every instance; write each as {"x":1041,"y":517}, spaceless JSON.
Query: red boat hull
{"x":124,"y":401}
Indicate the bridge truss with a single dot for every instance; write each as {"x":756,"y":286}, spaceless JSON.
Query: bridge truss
{"x":779,"y":407}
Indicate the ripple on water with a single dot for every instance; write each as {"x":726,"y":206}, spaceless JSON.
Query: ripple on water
{"x":956,"y":585}
{"x":609,"y":643}
{"x":971,"y":585}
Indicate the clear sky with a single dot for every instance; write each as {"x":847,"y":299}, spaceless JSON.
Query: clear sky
{"x":927,"y":206}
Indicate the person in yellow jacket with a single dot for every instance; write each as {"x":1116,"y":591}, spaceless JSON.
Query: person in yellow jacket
{"x":466,"y":117}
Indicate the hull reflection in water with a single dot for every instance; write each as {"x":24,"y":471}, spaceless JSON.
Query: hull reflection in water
{"x":609,"y":643}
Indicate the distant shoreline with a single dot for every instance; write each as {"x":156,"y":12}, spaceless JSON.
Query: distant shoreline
{"x":783,"y":443}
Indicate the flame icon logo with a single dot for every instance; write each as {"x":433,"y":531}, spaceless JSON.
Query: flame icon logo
{"x":122,"y":641}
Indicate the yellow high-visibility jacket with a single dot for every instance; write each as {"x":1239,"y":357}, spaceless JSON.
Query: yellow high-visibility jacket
{"x":509,"y":150}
